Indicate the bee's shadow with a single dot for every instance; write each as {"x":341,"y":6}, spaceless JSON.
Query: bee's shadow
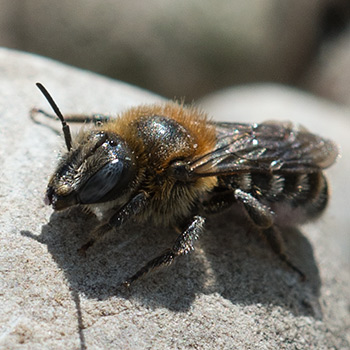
{"x":228,"y":261}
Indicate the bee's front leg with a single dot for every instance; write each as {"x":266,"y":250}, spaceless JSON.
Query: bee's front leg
{"x":263,"y":217}
{"x":183,"y":245}
{"x":132,"y":208}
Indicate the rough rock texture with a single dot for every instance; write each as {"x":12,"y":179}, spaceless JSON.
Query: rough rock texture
{"x":231,"y":293}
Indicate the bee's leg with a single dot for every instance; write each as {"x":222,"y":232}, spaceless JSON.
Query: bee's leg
{"x":262,"y":216}
{"x":274,"y":238}
{"x":183,"y":245}
{"x":72,"y":118}
{"x":218,"y":201}
{"x":132,"y":208}
{"x":99,"y":232}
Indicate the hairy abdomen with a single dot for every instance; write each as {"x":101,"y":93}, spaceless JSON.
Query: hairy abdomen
{"x":294,"y":198}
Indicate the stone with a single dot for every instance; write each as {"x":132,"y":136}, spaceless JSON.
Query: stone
{"x":230,"y":293}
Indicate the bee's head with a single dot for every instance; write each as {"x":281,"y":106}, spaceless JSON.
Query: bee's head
{"x":98,"y":168}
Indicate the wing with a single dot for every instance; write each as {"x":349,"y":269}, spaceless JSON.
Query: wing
{"x":274,"y":147}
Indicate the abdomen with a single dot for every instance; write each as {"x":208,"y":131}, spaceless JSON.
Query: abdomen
{"x":294,"y":198}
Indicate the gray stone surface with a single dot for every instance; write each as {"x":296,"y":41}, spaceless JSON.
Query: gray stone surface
{"x":182,"y":48}
{"x":329,"y":76}
{"x":231,"y":293}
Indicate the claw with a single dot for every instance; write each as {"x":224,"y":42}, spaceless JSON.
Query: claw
{"x":82,"y":250}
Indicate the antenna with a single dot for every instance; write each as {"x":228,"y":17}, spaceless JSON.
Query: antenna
{"x":65,"y":126}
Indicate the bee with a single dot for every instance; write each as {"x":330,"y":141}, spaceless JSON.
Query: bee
{"x":170,"y":165}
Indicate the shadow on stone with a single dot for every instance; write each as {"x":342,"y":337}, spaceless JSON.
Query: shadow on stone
{"x":227,"y":261}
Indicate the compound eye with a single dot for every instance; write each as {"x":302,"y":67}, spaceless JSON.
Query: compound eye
{"x":102,"y":182}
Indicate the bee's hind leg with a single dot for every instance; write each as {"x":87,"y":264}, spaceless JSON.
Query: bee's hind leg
{"x":183,"y":245}
{"x":218,"y":201}
{"x":274,"y":238}
{"x":263,"y":218}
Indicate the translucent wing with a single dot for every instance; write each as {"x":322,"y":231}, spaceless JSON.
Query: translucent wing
{"x":274,"y":147}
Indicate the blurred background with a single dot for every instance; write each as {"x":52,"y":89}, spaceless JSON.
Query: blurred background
{"x":190,"y":48}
